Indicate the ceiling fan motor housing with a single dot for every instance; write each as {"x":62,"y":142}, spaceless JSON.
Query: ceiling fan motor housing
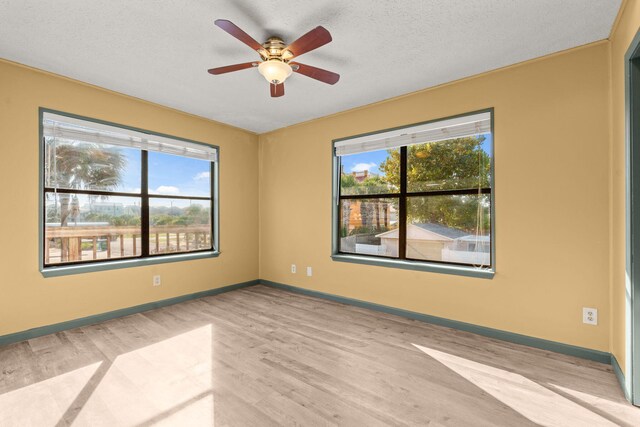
{"x":274,"y":49}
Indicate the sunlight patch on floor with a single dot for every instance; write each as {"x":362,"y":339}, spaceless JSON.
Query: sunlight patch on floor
{"x":150,"y":381}
{"x":166,"y":382}
{"x":621,"y":409}
{"x":533,"y":401}
{"x":44,"y":403}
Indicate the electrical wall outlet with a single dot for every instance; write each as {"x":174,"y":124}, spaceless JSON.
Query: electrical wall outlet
{"x":157,"y":281}
{"x":309,"y":271}
{"x":293,"y":269}
{"x":590,"y":316}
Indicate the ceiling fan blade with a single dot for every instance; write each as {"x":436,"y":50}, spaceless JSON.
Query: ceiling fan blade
{"x":234,"y":67}
{"x":315,"y":38}
{"x":324,"y":76}
{"x":236,"y":32}
{"x":277,"y":90}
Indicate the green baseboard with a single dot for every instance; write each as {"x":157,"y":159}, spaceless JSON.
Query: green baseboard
{"x":620,"y":376}
{"x":585,"y":353}
{"x":557,"y":347}
{"x":96,"y":318}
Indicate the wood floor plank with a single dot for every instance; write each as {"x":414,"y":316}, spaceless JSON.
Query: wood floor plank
{"x":263,"y":356}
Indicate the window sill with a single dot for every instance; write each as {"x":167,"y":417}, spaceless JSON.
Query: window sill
{"x":416,"y":266}
{"x":114,"y":265}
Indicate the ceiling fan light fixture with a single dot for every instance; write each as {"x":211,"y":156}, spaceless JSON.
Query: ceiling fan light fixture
{"x":275,"y":56}
{"x":275,"y":71}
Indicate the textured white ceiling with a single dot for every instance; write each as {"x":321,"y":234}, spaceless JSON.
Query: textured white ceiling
{"x":160,"y":50}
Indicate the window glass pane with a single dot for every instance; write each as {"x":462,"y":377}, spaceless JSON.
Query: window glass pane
{"x":454,"y":229}
{"x":79,"y":227}
{"x":179,"y":176}
{"x":179,"y":225}
{"x":78,"y":165}
{"x":376,"y":172}
{"x":460,"y":163}
{"x":369,"y":226}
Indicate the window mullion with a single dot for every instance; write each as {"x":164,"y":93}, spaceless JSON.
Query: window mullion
{"x":212,"y":183}
{"x":402,"y":214}
{"x":144,"y":211}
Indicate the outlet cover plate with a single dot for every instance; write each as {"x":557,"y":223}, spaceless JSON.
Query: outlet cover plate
{"x":590,"y":316}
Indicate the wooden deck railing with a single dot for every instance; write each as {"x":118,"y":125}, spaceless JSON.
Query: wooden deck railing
{"x":82,"y":243}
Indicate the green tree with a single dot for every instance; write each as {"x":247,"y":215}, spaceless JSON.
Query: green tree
{"x":459,"y":163}
{"x":348,"y":181}
{"x":123,"y":220}
{"x":453,"y":164}
{"x":162,"y":219}
{"x":459,"y":211}
{"x":83,"y":166}
{"x":196,"y":214}
{"x":372,"y":184}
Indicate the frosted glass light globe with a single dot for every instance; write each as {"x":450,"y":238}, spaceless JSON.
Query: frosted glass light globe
{"x":275,"y":71}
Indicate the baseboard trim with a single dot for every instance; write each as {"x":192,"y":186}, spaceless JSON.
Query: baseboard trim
{"x":620,"y":376}
{"x":96,"y":318}
{"x":557,"y":347}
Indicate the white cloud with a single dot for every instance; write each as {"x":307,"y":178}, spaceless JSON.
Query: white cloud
{"x":361,"y":167}
{"x":202,"y":176}
{"x":167,"y":190}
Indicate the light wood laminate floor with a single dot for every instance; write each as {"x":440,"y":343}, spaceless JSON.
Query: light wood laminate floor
{"x":265,"y":357}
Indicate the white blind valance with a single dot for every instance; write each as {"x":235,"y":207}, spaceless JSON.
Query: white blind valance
{"x":458,"y":127}
{"x":55,"y":125}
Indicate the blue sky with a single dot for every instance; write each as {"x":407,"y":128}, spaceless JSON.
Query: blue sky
{"x":371,"y":161}
{"x":168,"y":174}
{"x":178,"y":175}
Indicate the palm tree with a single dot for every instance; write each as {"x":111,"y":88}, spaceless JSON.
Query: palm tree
{"x":81,"y":166}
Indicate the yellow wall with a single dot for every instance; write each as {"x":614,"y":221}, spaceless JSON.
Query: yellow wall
{"x":27,"y":299}
{"x":552,"y":201}
{"x":626,"y":29}
{"x":559,"y":141}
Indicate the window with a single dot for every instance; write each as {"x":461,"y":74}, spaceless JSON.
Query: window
{"x":418,"y":197}
{"x":114,"y":193}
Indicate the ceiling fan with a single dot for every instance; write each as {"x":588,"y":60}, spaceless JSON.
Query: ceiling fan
{"x":275,"y":57}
